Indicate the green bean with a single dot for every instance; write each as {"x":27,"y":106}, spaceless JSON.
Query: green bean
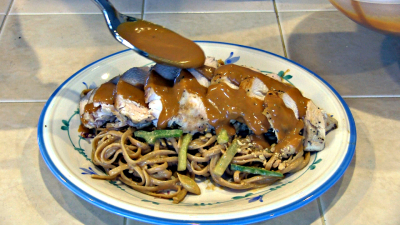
{"x":182,"y":154}
{"x":151,"y":137}
{"x":225,"y":159}
{"x":254,"y":170}
{"x":222,"y":137}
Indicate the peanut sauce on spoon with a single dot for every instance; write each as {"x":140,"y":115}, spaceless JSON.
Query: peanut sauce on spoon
{"x":163,"y":46}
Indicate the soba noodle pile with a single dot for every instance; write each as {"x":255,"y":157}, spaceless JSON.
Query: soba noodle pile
{"x":152,"y":169}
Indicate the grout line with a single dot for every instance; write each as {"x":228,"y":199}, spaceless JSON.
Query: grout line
{"x":370,"y":96}
{"x":125,"y":221}
{"x":64,"y":13}
{"x":210,"y":12}
{"x":143,"y":8}
{"x":142,"y":11}
{"x":23,"y":101}
{"x":280,"y":29}
{"x":321,"y":212}
{"x":309,"y":10}
{"x":6,"y":16}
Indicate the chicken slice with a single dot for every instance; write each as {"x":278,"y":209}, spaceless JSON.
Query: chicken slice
{"x":94,"y":116}
{"x":290,"y":103}
{"x":129,"y":101}
{"x":203,"y":81}
{"x":314,"y":128}
{"x":219,"y":78}
{"x":204,"y":74}
{"x":192,"y":114}
{"x":285,"y":124}
{"x":330,"y":122}
{"x":254,"y":88}
{"x":211,"y":62}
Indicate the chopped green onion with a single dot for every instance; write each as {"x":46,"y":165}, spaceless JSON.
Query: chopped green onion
{"x":222,"y":137}
{"x":182,"y":154}
{"x":151,"y":137}
{"x":224,"y":161}
{"x":254,"y":170}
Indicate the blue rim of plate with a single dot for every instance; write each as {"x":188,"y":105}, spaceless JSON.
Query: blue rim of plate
{"x":250,"y":219}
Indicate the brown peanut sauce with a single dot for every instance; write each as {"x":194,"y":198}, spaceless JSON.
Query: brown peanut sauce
{"x":105,"y":94}
{"x":234,"y":104}
{"x":282,"y":118}
{"x":236,"y":74}
{"x":89,"y":108}
{"x":260,"y":141}
{"x":206,"y":71}
{"x":163,"y":46}
{"x":128,"y":91}
{"x":83,"y":129}
{"x":292,"y":139}
{"x":171,"y":92}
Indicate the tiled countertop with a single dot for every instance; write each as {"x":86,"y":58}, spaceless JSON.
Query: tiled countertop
{"x":44,"y":42}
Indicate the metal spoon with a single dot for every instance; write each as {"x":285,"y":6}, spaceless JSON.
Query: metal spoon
{"x":165,"y":47}
{"x":114,"y":19}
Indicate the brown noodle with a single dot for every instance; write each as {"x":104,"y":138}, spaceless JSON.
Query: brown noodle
{"x":152,"y":169}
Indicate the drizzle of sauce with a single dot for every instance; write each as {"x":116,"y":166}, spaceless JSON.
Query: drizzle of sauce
{"x":83,"y":129}
{"x":292,"y":138}
{"x":171,"y":92}
{"x":105,"y":94}
{"x":223,"y":103}
{"x":236,"y":74}
{"x":130,"y":92}
{"x":206,"y":71}
{"x":89,"y":108}
{"x":282,"y":118}
{"x":300,"y":101}
{"x":231,"y":104}
{"x":163,"y":46}
{"x":260,"y":141}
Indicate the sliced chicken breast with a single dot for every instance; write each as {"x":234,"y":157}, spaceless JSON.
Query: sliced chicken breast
{"x":254,"y":88}
{"x":192,"y":114}
{"x":314,"y":128}
{"x":129,"y":101}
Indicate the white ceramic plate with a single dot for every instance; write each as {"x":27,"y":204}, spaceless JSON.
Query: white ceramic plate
{"x":66,"y":154}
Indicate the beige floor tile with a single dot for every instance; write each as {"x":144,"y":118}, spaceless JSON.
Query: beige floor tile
{"x":258,"y":30}
{"x":44,"y":50}
{"x":162,"y":6}
{"x":353,"y":59}
{"x":368,"y":193}
{"x":70,"y":6}
{"x":31,"y":194}
{"x":4,"y":4}
{"x":304,"y":5}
